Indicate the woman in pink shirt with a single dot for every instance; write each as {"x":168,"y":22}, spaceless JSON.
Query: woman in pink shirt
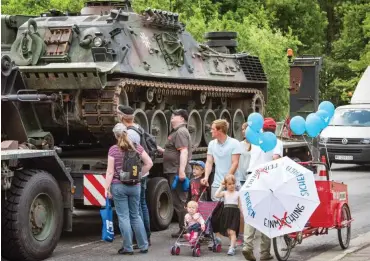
{"x":126,"y":197}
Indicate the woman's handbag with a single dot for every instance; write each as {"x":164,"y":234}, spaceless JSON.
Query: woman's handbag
{"x":107,"y":218}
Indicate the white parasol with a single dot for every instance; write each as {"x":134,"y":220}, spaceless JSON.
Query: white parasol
{"x":279,"y":197}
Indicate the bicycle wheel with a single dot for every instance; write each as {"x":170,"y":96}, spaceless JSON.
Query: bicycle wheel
{"x":344,"y":234}
{"x":282,"y":247}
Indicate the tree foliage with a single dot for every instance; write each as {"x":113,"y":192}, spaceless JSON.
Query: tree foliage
{"x":339,"y":30}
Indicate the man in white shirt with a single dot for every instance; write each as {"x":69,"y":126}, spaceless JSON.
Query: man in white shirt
{"x":258,"y":156}
{"x":224,"y":152}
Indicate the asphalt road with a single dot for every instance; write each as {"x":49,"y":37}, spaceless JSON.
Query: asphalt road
{"x":84,"y":242}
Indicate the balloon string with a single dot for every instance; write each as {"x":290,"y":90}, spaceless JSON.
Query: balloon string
{"x":308,"y":145}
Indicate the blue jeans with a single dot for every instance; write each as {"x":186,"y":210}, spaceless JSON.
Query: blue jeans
{"x":144,"y":213}
{"x":127,"y":201}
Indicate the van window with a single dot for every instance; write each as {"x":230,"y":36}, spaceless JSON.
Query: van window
{"x":351,"y":117}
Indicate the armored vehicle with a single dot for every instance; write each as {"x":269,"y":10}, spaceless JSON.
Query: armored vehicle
{"x":63,"y":76}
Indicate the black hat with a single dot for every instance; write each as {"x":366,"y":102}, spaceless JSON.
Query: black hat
{"x":126,"y":109}
{"x":181,"y":112}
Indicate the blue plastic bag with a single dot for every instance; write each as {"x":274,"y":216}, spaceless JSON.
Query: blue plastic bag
{"x":185,"y":183}
{"x":107,"y":219}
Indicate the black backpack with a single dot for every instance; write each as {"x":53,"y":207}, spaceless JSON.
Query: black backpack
{"x":131,"y":167}
{"x":147,"y":141}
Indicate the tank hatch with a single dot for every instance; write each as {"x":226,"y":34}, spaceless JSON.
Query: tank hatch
{"x":103,"y":7}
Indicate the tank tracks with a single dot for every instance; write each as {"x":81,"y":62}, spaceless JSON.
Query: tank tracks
{"x":99,"y":108}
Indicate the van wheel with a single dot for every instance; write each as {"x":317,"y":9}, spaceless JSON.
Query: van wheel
{"x":31,"y":216}
{"x":160,"y":205}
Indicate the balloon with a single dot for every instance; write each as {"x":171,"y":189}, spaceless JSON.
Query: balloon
{"x":324,"y":115}
{"x":252,"y":136}
{"x":313,"y":124}
{"x":255,"y":121}
{"x":268,"y":141}
{"x":328,"y":107}
{"x":297,"y":125}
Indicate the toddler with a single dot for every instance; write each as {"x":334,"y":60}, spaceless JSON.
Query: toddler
{"x":196,"y":188}
{"x":194,"y":222}
{"x":230,"y":218}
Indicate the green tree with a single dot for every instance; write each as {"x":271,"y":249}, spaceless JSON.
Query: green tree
{"x":36,"y":7}
{"x":350,"y":53}
{"x":306,"y":20}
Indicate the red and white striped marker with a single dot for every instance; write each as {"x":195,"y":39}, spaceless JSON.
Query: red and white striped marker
{"x":321,"y":170}
{"x":94,"y":191}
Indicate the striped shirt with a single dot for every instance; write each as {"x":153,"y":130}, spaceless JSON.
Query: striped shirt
{"x":118,"y":155}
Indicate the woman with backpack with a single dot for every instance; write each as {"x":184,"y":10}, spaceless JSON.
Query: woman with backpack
{"x":126,"y":163}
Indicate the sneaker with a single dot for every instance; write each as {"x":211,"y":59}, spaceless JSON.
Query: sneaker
{"x":266,"y":257}
{"x":248,"y":255}
{"x":231,"y":251}
{"x":239,"y":242}
{"x":123,"y":252}
{"x":144,"y":251}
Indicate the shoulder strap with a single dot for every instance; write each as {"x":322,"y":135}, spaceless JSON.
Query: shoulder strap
{"x":139,"y":129}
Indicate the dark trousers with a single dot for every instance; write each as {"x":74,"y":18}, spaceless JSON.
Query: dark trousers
{"x":144,"y":213}
{"x":196,"y":228}
{"x":179,"y":199}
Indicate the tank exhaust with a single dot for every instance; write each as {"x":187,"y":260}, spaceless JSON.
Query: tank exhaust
{"x":103,"y":7}
{"x":223,"y":42}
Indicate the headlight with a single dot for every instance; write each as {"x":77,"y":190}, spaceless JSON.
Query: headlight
{"x":365,"y":141}
{"x":98,"y":42}
{"x":323,"y":140}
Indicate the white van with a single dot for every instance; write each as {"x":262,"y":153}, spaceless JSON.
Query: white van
{"x":347,"y":138}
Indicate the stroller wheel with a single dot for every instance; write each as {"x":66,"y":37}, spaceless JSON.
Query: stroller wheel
{"x":177,"y":251}
{"x":217,"y":248}
{"x":196,"y":252}
{"x":173,"y":250}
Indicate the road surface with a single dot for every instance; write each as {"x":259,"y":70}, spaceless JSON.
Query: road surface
{"x":84,"y":242}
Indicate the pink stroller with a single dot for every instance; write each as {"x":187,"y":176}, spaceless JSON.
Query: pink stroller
{"x":206,"y":209}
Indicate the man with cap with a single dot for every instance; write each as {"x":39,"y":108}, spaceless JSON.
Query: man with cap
{"x":258,"y":156}
{"x":126,"y":116}
{"x":176,"y":156}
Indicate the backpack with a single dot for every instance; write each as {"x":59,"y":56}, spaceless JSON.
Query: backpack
{"x":147,"y":141}
{"x":130,"y":173}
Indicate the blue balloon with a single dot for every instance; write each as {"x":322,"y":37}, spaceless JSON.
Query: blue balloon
{"x":252,"y":136}
{"x":324,"y":116}
{"x":255,"y":121}
{"x":297,"y":125}
{"x":313,"y":124}
{"x":328,"y":107}
{"x":268,"y":141}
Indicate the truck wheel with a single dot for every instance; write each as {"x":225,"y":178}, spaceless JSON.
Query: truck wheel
{"x":32,"y":216}
{"x":159,"y":203}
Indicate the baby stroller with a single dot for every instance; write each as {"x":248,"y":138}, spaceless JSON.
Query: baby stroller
{"x":206,"y":209}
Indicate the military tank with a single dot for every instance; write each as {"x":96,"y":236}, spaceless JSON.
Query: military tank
{"x":75,"y":69}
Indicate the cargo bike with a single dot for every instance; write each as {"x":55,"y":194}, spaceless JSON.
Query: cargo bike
{"x":332,"y":213}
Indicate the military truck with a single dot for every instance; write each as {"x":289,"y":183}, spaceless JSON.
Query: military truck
{"x":63,"y":76}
